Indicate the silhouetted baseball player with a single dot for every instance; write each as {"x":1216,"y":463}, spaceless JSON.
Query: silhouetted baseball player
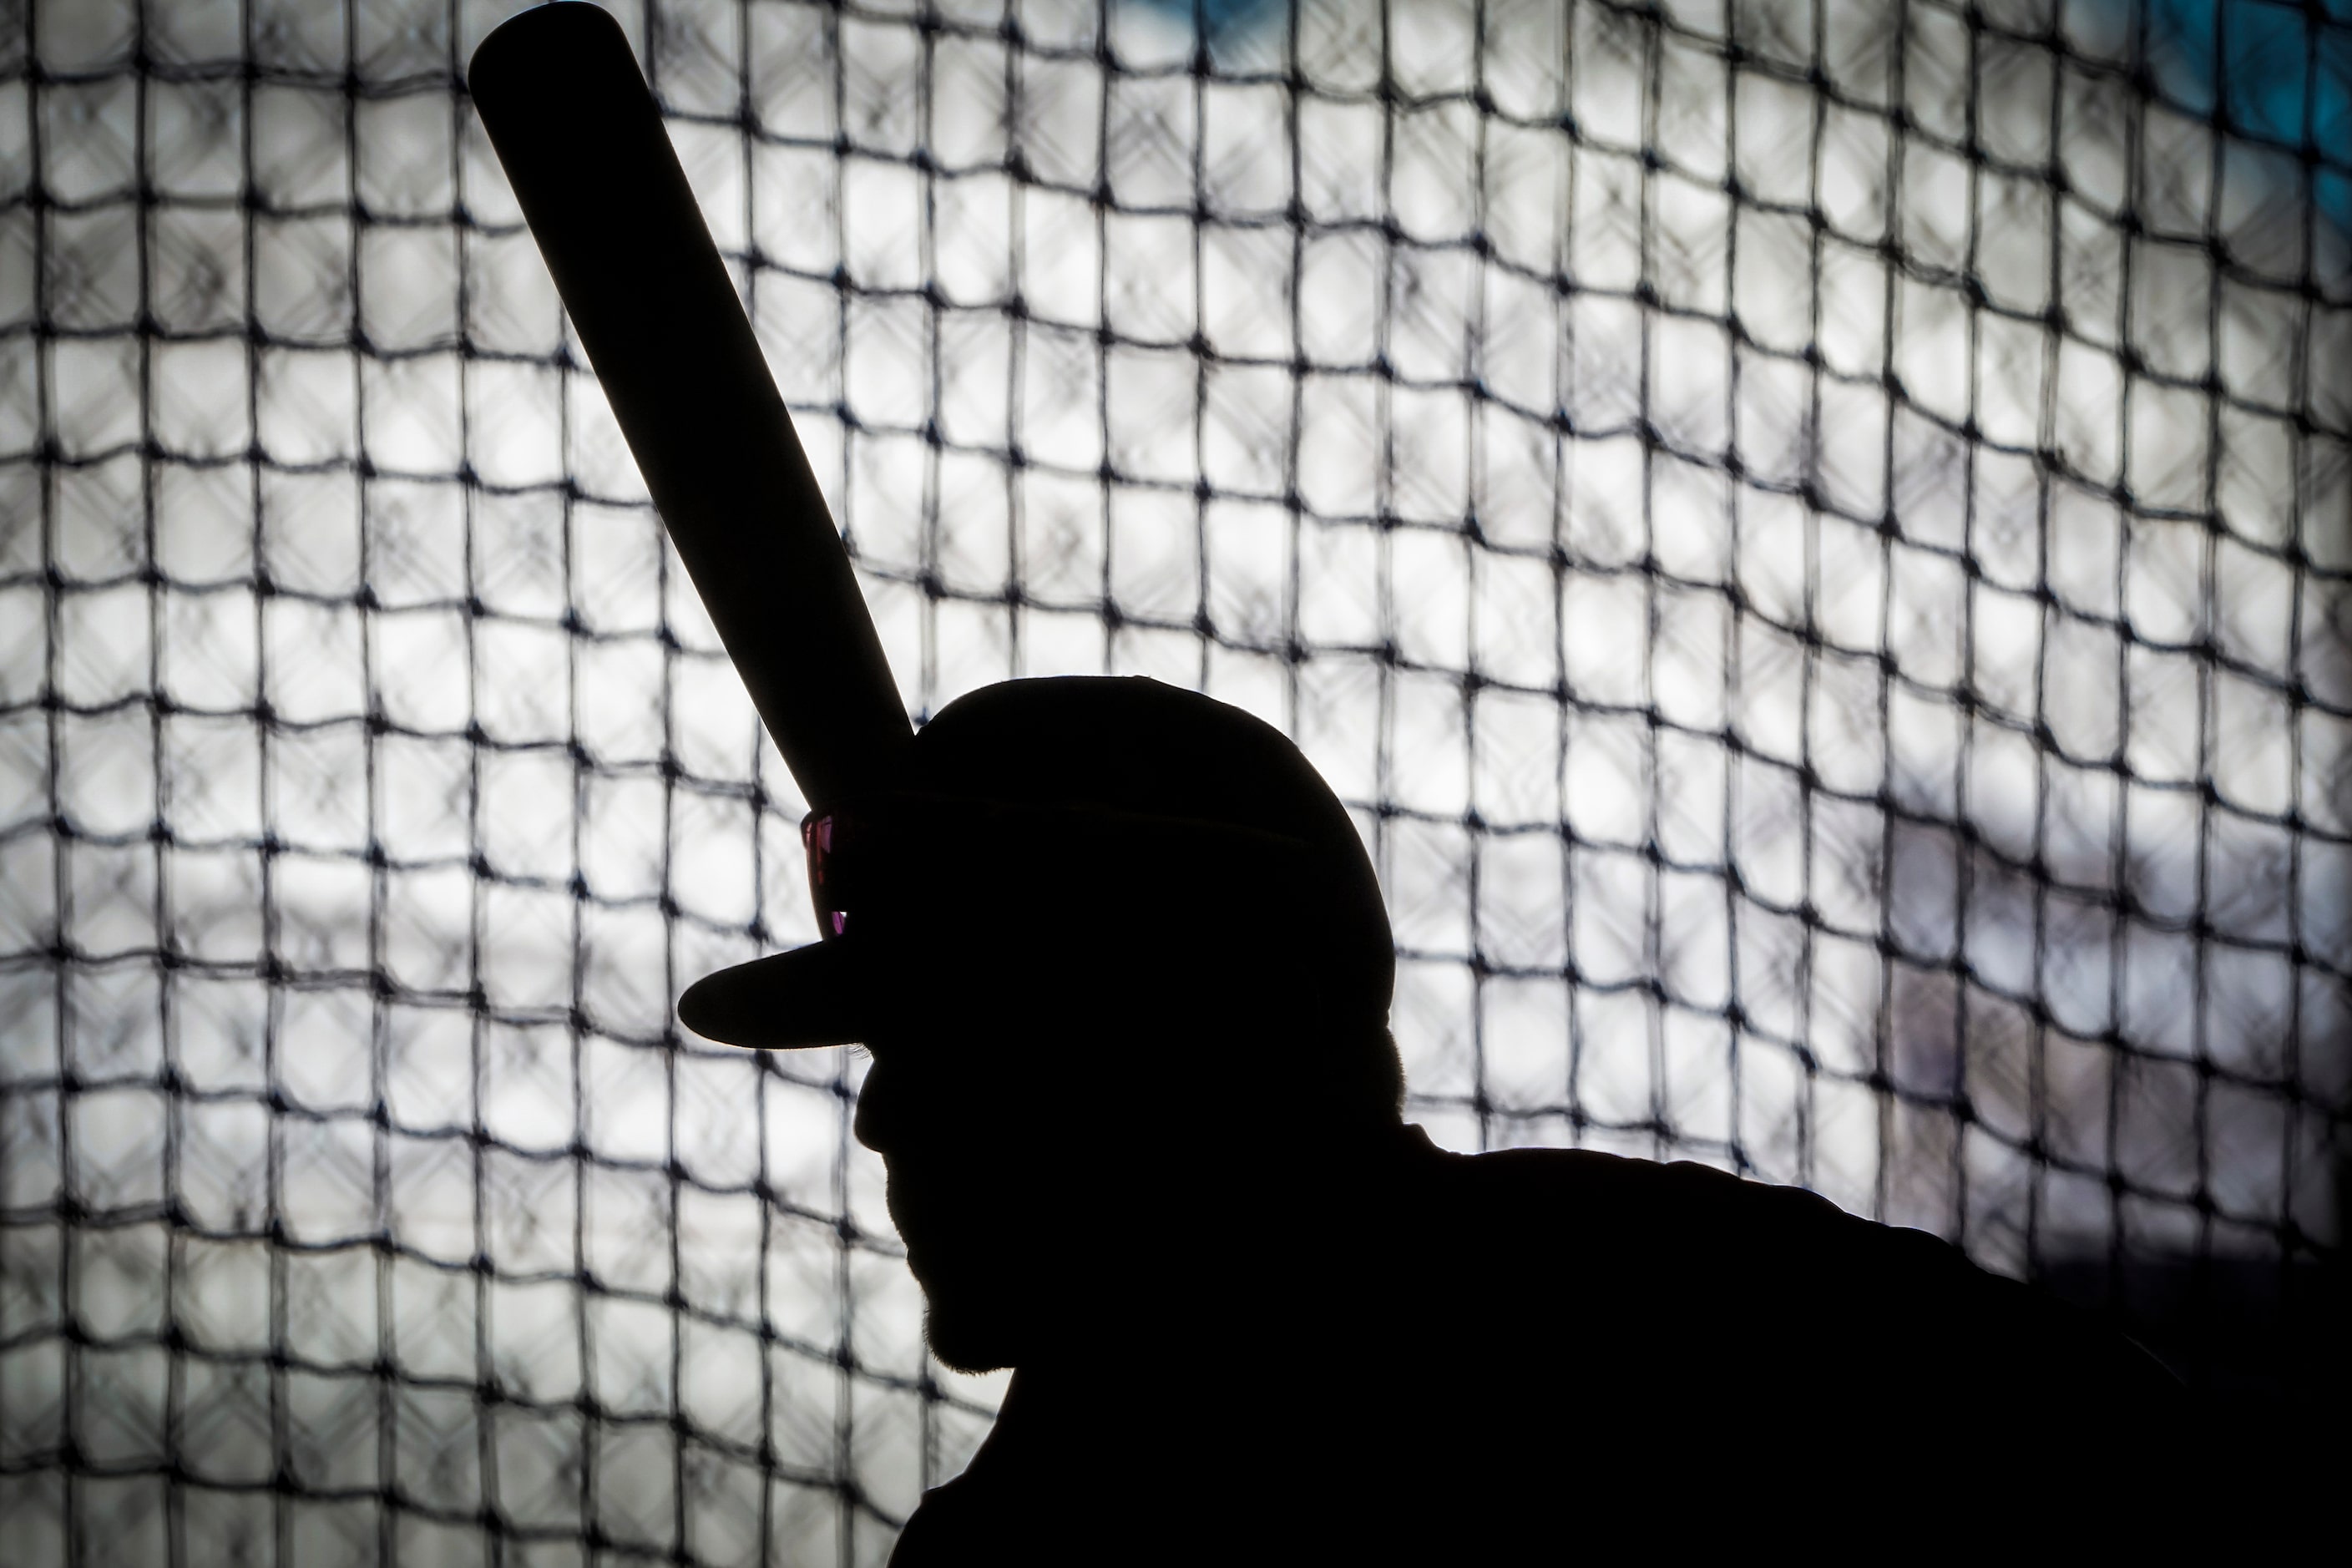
{"x":1125,"y":971}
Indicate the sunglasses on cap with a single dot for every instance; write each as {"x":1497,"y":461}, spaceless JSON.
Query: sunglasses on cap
{"x":823,"y":836}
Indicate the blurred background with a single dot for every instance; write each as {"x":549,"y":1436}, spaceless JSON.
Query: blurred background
{"x":1813,"y":534}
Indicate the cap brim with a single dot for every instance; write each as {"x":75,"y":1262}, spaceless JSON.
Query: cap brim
{"x":812,"y":996}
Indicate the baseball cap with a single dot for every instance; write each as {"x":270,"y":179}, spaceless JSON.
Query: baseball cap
{"x":1111,"y":826}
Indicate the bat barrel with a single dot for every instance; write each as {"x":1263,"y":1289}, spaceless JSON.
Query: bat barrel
{"x":582,"y":143}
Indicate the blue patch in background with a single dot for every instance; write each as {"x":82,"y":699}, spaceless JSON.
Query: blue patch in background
{"x":2269,"y":72}
{"x":1222,"y":15}
{"x":2277,"y":74}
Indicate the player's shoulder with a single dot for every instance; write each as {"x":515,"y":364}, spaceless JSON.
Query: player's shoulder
{"x":1671,"y":1241}
{"x":1683,"y":1223}
{"x":1591,"y":1185}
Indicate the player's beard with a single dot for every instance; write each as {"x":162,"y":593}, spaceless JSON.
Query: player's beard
{"x":975,"y":1287}
{"x":964,"y":1345}
{"x":972,"y":1318}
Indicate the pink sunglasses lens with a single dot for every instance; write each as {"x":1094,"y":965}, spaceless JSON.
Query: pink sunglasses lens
{"x":817,"y":835}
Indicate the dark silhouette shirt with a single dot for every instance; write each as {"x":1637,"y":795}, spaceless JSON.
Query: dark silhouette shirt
{"x":1509,"y":1356}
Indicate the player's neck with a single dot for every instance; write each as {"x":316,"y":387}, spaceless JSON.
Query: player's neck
{"x":1274,"y":1255}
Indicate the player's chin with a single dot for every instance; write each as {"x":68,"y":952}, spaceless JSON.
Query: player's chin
{"x":972,"y":1298}
{"x":970,"y":1341}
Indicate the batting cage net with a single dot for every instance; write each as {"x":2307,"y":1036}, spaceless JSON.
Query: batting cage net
{"x":1814,"y":538}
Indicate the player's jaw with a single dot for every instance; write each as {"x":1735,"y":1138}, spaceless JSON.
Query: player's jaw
{"x":978,"y":1277}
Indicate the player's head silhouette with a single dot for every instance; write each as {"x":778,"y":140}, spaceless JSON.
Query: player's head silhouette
{"x":1114,"y":947}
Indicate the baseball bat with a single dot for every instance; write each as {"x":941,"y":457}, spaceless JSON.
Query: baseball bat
{"x":582,"y":141}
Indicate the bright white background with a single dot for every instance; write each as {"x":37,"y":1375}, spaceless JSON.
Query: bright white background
{"x":1883,"y":729}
